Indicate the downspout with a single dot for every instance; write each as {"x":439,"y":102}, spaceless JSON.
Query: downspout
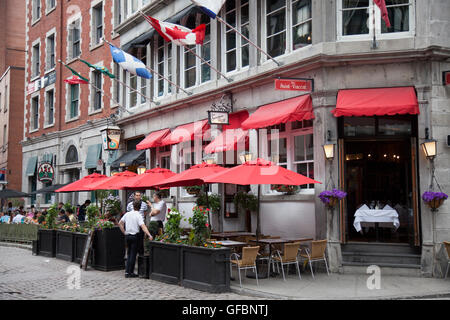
{"x":60,"y":84}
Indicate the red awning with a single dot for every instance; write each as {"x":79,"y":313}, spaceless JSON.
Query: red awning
{"x":294,"y":109}
{"x":228,"y":140}
{"x":153,"y":139}
{"x":376,"y":102}
{"x":186,"y":132}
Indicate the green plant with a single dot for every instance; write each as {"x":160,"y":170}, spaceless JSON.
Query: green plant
{"x":172,"y":230}
{"x":68,"y":206}
{"x":50,"y":218}
{"x":246,"y":201}
{"x":103,"y":224}
{"x":112,"y":204}
{"x":289,"y":189}
{"x":194,"y":190}
{"x":214,"y":201}
{"x":93,"y":215}
{"x":200,"y":227}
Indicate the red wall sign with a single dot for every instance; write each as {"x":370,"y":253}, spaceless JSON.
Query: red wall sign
{"x":294,"y":84}
{"x":446,"y":78}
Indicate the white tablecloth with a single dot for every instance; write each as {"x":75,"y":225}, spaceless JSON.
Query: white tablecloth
{"x":386,"y":216}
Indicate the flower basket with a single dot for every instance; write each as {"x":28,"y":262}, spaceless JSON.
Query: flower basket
{"x":331,"y":198}
{"x":287,"y":189}
{"x":194,"y":190}
{"x":434,"y":199}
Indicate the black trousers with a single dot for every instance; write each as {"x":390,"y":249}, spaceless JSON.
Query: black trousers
{"x":140,"y":240}
{"x":154,"y":227}
{"x":132,"y":244}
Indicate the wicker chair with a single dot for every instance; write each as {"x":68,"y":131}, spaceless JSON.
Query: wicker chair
{"x":290,"y":256}
{"x":248,"y":261}
{"x":447,"y":246}
{"x":317,"y":253}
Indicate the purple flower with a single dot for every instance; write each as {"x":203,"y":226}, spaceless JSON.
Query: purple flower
{"x":429,"y":196}
{"x":326,"y":195}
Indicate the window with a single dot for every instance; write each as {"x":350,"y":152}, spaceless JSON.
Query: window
{"x":142,"y":55}
{"x":131,"y":6}
{"x":97,"y":90}
{"x":50,"y":5}
{"x":356,"y":19}
{"x":288,"y":25}
{"x":195,"y":70}
{"x":97,"y":24}
{"x":50,"y":107}
{"x":116,"y":87}
{"x":36,"y":60}
{"x":6,"y":99}
{"x":74,"y":39}
{"x":163,"y":63}
{"x":5,"y":133}
{"x":133,"y":94}
{"x":35,"y":113}
{"x":236,"y":49}
{"x":50,"y":52}
{"x":291,"y":146}
{"x":74,"y":100}
{"x":36,"y":10}
{"x":47,"y":196}
{"x":163,"y":157}
{"x":72,"y":154}
{"x":117,"y":12}
{"x":1,"y":103}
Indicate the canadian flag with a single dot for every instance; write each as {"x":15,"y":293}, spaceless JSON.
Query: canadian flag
{"x":178,"y":34}
{"x":384,"y":13}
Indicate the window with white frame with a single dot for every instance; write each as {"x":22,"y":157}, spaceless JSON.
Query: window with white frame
{"x":74,"y":39}
{"x":236,"y":49}
{"x":195,"y":70}
{"x":163,"y":157}
{"x":163,"y":63}
{"x":36,"y":60}
{"x":35,"y":113}
{"x":36,"y":10}
{"x":97,"y":24}
{"x":50,"y":4}
{"x":360,"y":19}
{"x":5,"y":134}
{"x":6,"y":98}
{"x":118,"y":14}
{"x":49,"y":107}
{"x":132,"y":6}
{"x":96,"y":90}
{"x":142,"y":55}
{"x":50,"y":52}
{"x":116,"y":86}
{"x":288,"y":25}
{"x":74,"y":101}
{"x":291,"y":146}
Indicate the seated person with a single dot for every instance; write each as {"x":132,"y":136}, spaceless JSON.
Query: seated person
{"x":71,"y":216}
{"x":40,"y":217}
{"x":18,"y":218}
{"x":4,"y":217}
{"x":63,"y":218}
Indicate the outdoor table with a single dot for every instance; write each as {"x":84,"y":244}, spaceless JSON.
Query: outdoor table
{"x":226,"y":235}
{"x":387,"y":216}
{"x":271,"y":242}
{"x":230,"y":243}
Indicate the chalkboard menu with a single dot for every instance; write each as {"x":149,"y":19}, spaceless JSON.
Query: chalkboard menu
{"x":87,"y":250}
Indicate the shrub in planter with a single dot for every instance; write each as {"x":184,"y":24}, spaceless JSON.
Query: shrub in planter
{"x":246,"y":201}
{"x":288,"y":189}
{"x":200,"y":227}
{"x":193,"y":190}
{"x":331,"y":198}
{"x":434,"y":199}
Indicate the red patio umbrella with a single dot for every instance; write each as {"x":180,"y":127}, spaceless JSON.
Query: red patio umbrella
{"x":116,"y":182}
{"x":148,"y":179}
{"x":83,"y":184}
{"x":258,"y":172}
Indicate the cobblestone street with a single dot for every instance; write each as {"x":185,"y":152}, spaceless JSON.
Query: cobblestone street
{"x":24,"y":276}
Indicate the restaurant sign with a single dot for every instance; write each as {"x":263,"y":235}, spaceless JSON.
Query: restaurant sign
{"x":294,"y":84}
{"x":220,"y":111}
{"x":46,"y":172}
{"x":446,"y":78}
{"x":111,"y":138}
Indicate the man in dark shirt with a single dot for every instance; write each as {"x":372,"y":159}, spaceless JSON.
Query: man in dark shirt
{"x":82,"y":211}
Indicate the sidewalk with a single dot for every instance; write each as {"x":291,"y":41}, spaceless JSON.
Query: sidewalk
{"x":342,"y":287}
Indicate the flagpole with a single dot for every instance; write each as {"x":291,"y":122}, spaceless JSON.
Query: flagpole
{"x":103,"y":93}
{"x":137,"y":91}
{"x":374,"y":43}
{"x":252,"y":43}
{"x":191,"y":51}
{"x":153,"y":71}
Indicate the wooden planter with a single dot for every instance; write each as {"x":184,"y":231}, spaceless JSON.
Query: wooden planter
{"x":108,"y":250}
{"x":143,"y":267}
{"x":46,"y":243}
{"x":205,"y":269}
{"x":435,"y":203}
{"x":79,"y":243}
{"x":64,"y":245}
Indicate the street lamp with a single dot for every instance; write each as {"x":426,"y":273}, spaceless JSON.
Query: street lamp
{"x":246,"y":156}
{"x":141,"y":169}
{"x":429,"y":146}
{"x":328,"y":147}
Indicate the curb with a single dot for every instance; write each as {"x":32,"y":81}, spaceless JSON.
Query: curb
{"x":16,"y":245}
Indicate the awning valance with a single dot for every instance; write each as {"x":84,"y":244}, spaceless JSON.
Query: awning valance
{"x":294,"y":109}
{"x":94,"y":153}
{"x":186,"y":132}
{"x":31,"y":166}
{"x":153,"y":139}
{"x":133,"y":157}
{"x":376,"y":102}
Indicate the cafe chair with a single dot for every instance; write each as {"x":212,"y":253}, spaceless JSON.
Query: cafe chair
{"x":248,"y":261}
{"x":447,"y":246}
{"x":317,"y":253}
{"x":290,"y":256}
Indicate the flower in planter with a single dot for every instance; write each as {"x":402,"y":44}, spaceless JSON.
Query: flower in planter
{"x":331,"y":197}
{"x":288,"y":189}
{"x":434,"y":199}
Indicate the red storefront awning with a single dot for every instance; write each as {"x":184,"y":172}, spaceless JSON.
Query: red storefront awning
{"x":228,"y":140}
{"x":153,"y":139}
{"x":294,"y":109}
{"x":376,"y":102}
{"x":186,"y":132}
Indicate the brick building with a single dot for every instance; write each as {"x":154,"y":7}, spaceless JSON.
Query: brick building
{"x":62,"y":122}
{"x":12,"y":62}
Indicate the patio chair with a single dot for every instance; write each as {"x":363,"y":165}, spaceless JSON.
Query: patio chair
{"x":317,"y":253}
{"x":248,"y":261}
{"x":447,"y":246}
{"x":290,"y":256}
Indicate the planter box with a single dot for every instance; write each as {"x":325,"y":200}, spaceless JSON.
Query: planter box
{"x":46,"y":245}
{"x":198,"y":268}
{"x":35,"y":248}
{"x":143,"y":267}
{"x":108,"y":250}
{"x":64,"y":245}
{"x":79,"y":243}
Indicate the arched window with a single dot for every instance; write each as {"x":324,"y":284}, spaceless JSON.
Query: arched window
{"x":72,"y":155}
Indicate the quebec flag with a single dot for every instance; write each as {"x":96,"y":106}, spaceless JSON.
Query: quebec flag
{"x":129,"y":63}
{"x":210,"y":7}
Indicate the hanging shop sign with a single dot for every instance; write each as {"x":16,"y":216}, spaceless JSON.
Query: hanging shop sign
{"x":220,"y":111}
{"x":2,"y":175}
{"x":111,"y":138}
{"x":46,"y":172}
{"x":446,"y":78}
{"x":294,"y":84}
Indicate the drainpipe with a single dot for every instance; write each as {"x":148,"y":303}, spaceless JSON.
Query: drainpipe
{"x":59,"y":86}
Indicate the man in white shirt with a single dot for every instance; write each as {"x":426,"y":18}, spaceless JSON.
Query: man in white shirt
{"x":130,"y":224}
{"x":142,"y":210}
{"x":158,"y":211}
{"x":18,"y":218}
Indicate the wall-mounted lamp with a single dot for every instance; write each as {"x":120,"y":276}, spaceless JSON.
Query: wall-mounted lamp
{"x":141,"y":169}
{"x":246,"y":156}
{"x":328,"y":147}
{"x":429,"y":146}
{"x":210,"y":159}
